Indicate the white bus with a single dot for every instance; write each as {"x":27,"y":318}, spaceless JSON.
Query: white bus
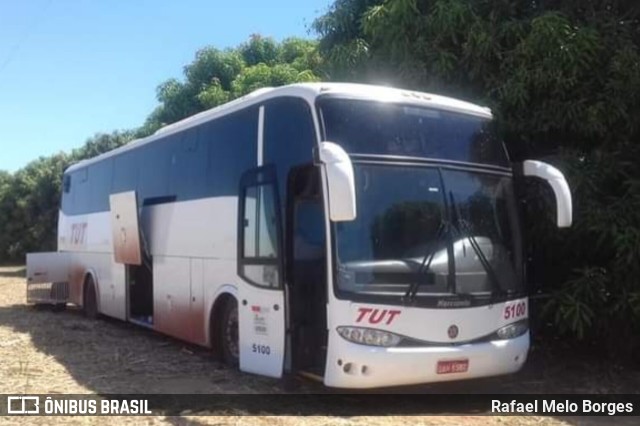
{"x":366,"y":236}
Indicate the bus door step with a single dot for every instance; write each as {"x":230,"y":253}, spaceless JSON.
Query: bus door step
{"x":311,"y":376}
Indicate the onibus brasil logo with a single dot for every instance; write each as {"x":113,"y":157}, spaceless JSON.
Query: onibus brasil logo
{"x":23,"y":405}
{"x":33,"y":405}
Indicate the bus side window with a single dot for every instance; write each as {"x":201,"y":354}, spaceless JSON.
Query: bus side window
{"x":67,"y":196}
{"x":66,"y":184}
{"x":81,"y":191}
{"x":259,"y":245}
{"x":289,"y":136}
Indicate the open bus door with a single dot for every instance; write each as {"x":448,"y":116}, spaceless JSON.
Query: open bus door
{"x":130,"y":252}
{"x":261,"y":304}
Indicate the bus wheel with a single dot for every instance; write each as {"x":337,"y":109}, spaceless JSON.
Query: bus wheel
{"x":230,"y":344}
{"x":90,"y":305}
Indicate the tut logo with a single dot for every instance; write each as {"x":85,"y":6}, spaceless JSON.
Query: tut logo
{"x":23,"y":405}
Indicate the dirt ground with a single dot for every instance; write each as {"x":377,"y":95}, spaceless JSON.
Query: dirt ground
{"x":43,"y":352}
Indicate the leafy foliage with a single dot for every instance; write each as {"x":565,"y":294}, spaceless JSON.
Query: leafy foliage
{"x":29,"y":198}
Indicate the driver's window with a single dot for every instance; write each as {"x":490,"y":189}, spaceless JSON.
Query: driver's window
{"x":260,"y":222}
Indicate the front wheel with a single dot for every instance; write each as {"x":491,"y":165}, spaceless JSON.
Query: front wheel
{"x":230,"y":344}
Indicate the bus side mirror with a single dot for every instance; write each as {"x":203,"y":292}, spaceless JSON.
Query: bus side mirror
{"x":341,"y":181}
{"x":558,"y":183}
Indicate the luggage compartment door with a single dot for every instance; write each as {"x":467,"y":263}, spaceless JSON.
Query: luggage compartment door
{"x":48,"y":277}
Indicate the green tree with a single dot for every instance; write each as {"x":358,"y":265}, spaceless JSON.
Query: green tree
{"x":101,"y":143}
{"x":30,"y":197}
{"x":36,"y":189}
{"x":6,"y":203}
{"x":260,"y":50}
{"x":211,"y":65}
{"x":342,"y":40}
{"x":301,"y":53}
{"x":262,"y":75}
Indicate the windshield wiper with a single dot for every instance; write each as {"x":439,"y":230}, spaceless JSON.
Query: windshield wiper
{"x":464,"y":230}
{"x":425,"y":265}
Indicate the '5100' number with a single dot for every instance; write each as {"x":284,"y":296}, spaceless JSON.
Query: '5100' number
{"x":261,"y":349}
{"x":516,"y":310}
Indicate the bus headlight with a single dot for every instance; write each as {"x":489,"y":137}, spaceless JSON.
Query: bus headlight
{"x":369,"y":336}
{"x":513,"y":330}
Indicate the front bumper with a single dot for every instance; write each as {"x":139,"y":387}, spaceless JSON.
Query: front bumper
{"x":350,"y":365}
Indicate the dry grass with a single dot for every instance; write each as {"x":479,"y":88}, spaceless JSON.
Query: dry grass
{"x":45,"y":352}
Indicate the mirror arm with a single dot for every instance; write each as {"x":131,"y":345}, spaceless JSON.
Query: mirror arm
{"x":558,"y":183}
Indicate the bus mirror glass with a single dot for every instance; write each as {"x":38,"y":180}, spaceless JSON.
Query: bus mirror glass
{"x":558,"y":183}
{"x":341,"y":182}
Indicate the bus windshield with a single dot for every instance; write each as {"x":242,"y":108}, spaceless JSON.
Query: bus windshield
{"x":409,"y":214}
{"x":432,"y":230}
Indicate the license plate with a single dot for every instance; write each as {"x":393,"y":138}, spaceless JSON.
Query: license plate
{"x":452,"y":366}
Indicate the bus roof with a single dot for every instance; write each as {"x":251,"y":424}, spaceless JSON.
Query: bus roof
{"x":308,"y":91}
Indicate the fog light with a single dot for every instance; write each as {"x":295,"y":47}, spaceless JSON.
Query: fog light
{"x":513,"y":330}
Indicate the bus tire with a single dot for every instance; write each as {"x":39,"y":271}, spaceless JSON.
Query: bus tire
{"x":90,"y":302}
{"x":229,"y":342}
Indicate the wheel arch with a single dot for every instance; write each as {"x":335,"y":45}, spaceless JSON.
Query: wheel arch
{"x":224,"y":294}
{"x":91,"y":273}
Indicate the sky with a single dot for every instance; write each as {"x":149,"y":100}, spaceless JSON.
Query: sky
{"x":73,"y":68}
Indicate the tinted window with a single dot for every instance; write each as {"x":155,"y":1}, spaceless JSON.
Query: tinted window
{"x":259,"y":264}
{"x":100,"y":175}
{"x":288,"y":132}
{"x":125,"y":172}
{"x":153,"y":176}
{"x":81,"y":191}
{"x":188,"y":166}
{"x":309,"y":232}
{"x":260,"y":222}
{"x":232,"y":147}
{"x":412,"y":219}
{"x":392,"y":224}
{"x":67,"y":195}
{"x":289,"y":136}
{"x":485,"y":210}
{"x":205,"y":161}
{"x":368,"y":127}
